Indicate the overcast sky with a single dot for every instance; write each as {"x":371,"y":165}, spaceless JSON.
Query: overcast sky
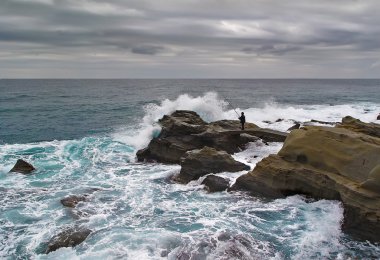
{"x":189,"y":39}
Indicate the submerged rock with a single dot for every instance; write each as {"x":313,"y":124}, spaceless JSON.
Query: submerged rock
{"x":22,"y":166}
{"x":198,"y":163}
{"x":72,"y":200}
{"x":215,"y":183}
{"x":68,"y":238}
{"x":338,"y":163}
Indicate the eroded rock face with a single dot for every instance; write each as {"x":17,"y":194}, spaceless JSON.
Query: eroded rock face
{"x":215,"y":183}
{"x":198,"y":163}
{"x":326,"y":163}
{"x":68,"y":238}
{"x":22,"y":166}
{"x":184,"y":131}
{"x":72,"y":201}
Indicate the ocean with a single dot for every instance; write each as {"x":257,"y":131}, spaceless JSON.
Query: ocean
{"x":82,"y":136}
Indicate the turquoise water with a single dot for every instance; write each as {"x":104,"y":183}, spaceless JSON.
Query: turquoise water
{"x":133,"y":209}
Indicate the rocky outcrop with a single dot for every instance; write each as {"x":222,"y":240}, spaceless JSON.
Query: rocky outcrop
{"x":72,"y":200}
{"x":356,"y":125}
{"x":68,"y":238}
{"x":184,"y":131}
{"x":330,"y":163}
{"x":198,"y":163}
{"x":378,"y":117}
{"x":215,"y":183}
{"x":22,"y":166}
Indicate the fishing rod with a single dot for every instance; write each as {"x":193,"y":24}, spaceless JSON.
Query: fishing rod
{"x":229,"y":103}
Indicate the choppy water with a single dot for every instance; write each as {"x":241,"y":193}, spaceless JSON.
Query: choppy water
{"x":82,"y":136}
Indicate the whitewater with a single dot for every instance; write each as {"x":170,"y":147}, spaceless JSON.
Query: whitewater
{"x":136,"y":212}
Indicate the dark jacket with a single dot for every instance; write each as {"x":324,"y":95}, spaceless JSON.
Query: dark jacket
{"x":242,"y":119}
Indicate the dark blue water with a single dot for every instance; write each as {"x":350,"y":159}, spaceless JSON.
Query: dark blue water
{"x":40,"y":110}
{"x":82,"y":136}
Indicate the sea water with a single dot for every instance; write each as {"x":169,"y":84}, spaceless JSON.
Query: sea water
{"x":82,"y":136}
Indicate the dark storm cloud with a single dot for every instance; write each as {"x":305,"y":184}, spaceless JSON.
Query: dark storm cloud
{"x":148,"y":49}
{"x":201,"y":38}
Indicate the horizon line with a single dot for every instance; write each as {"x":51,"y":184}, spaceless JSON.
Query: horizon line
{"x":188,"y":78}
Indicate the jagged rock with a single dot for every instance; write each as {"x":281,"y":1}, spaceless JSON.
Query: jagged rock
{"x":378,"y":117}
{"x":279,"y":120}
{"x":184,"y":131}
{"x":68,"y":238}
{"x":215,"y":183}
{"x":296,"y":126}
{"x":328,"y":163}
{"x":198,"y":163}
{"x":72,"y":200}
{"x":22,"y":166}
{"x":356,"y":125}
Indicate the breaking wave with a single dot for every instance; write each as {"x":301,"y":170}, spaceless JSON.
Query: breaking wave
{"x":134,"y":211}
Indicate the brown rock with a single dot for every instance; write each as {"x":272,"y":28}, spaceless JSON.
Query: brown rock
{"x":22,"y":166}
{"x":327,"y":163}
{"x":198,"y":163}
{"x":72,"y":201}
{"x":184,"y":131}
{"x":356,"y":125}
{"x":68,"y":238}
{"x":215,"y":183}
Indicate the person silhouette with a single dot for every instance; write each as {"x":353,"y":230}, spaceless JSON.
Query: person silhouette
{"x":242,"y":120}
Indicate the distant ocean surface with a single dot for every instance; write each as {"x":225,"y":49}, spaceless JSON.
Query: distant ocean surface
{"x":82,"y":136}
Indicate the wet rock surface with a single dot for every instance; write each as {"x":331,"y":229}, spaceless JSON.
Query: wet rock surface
{"x":72,"y":200}
{"x":23,"y":167}
{"x":215,"y":183}
{"x":68,"y":238}
{"x":184,"y":131}
{"x":296,"y":126}
{"x":198,"y":163}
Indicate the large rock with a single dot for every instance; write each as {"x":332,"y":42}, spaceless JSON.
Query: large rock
{"x":198,"y":163}
{"x":22,"y":166}
{"x":215,"y":183}
{"x":68,"y":238}
{"x":184,"y":131}
{"x":328,"y":163}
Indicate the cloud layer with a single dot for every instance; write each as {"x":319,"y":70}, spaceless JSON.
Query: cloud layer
{"x":189,"y":38}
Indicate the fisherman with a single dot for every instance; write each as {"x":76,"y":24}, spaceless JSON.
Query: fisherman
{"x":242,"y":120}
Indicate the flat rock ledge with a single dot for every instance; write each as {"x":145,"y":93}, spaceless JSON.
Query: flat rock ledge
{"x":337,"y":163}
{"x":198,"y":163}
{"x":184,"y":131}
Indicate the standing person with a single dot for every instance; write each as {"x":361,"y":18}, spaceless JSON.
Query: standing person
{"x":242,"y":120}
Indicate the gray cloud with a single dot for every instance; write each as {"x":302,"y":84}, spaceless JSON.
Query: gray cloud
{"x":208,"y":38}
{"x":148,"y":49}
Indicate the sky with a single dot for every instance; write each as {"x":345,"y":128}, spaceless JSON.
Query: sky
{"x":189,"y":39}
